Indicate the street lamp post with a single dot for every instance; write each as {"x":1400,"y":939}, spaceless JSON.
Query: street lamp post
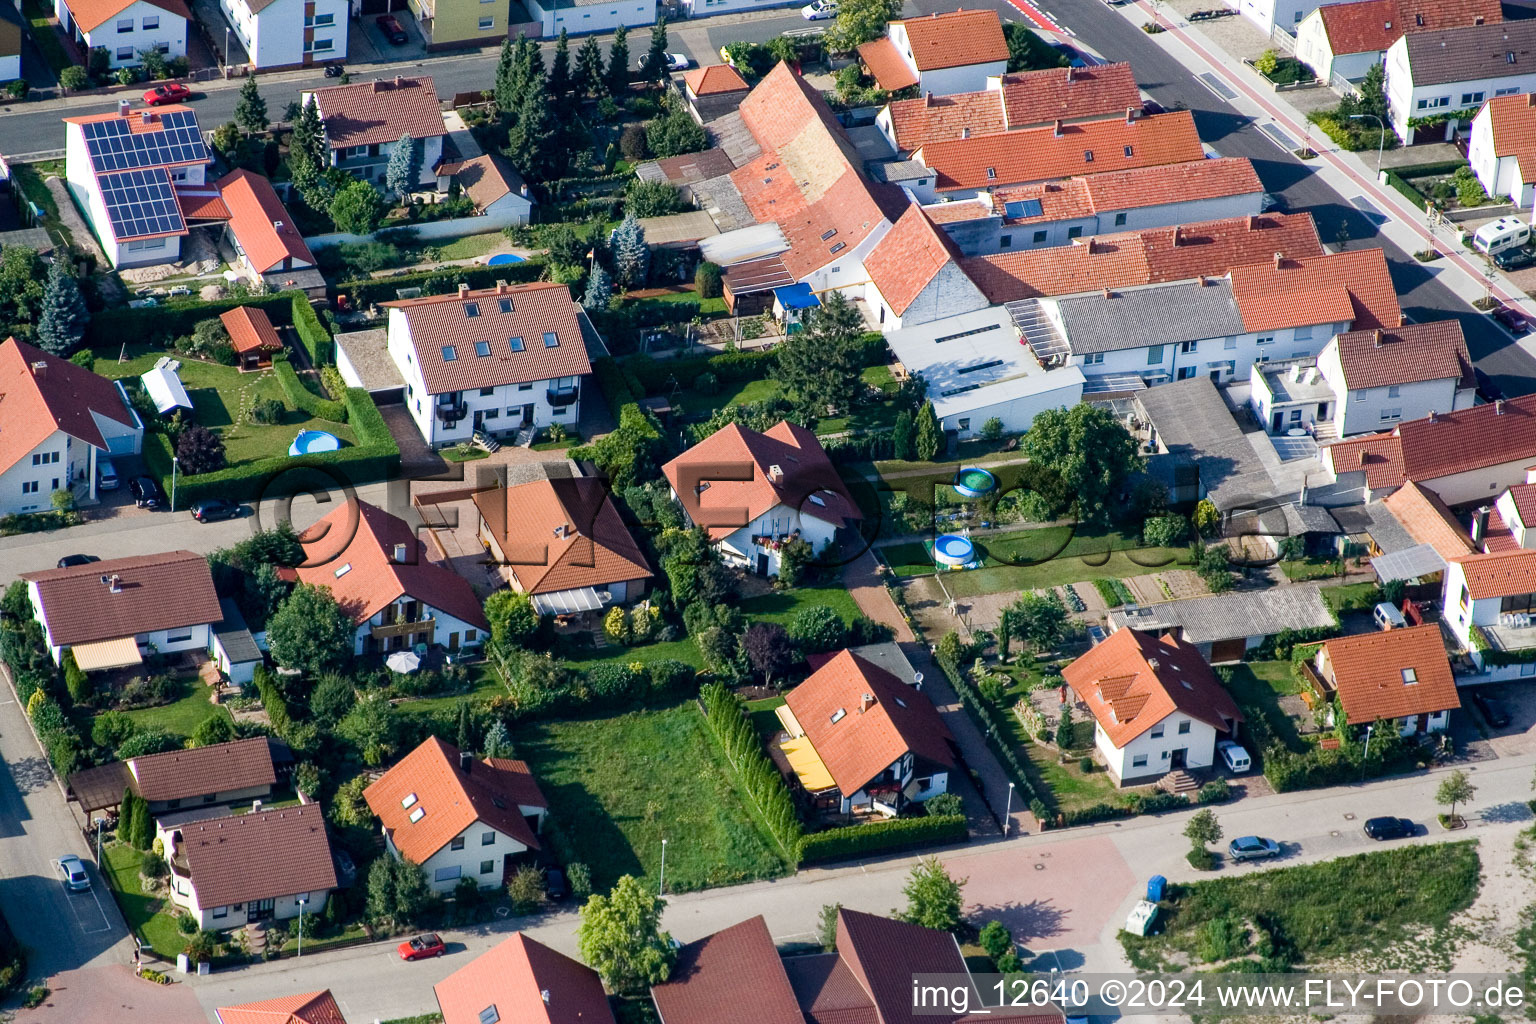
{"x":661,"y":884}
{"x":1381,"y":139}
{"x":175,"y":471}
{"x":301,"y":926}
{"x":226,"y":46}
{"x":1008,"y":814}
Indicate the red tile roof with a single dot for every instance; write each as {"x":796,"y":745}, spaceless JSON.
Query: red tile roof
{"x":1172,"y":183}
{"x":1039,"y":154}
{"x":380,"y":111}
{"x":885,"y":65}
{"x":1524,"y":497}
{"x":1500,"y":574}
{"x":262,"y":224}
{"x":1426,"y":15}
{"x":515,"y":977}
{"x":352,"y":551}
{"x":807,"y":480}
{"x":1390,"y":674}
{"x":1132,"y":681}
{"x":883,"y":955}
{"x":41,"y":393}
{"x":1379,"y":455}
{"x":715,"y":79}
{"x":1352,"y":287}
{"x":436,"y":322}
{"x":592,"y":547}
{"x":89,"y":15}
{"x":151,"y":592}
{"x":977,"y":208}
{"x":308,"y":1008}
{"x":1365,"y":26}
{"x":955,"y":39}
{"x":866,"y":740}
{"x":734,"y":976}
{"x":1454,"y":442}
{"x":917,"y":122}
{"x":201,"y":202}
{"x":1068,"y":94}
{"x":258,"y":856}
{"x":910,"y":256}
{"x":1066,"y":199}
{"x":218,"y":768}
{"x":250,"y":330}
{"x":1514,"y":129}
{"x":1404,"y":355}
{"x":1428,"y":520}
{"x":452,"y":798}
{"x":485,"y":178}
{"x":1498,"y":536}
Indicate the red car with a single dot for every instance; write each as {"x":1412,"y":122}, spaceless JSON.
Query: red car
{"x":1512,"y":318}
{"x":422,"y":947}
{"x":390,"y":26}
{"x":170,"y":92}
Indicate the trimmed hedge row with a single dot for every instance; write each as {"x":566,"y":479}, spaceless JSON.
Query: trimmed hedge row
{"x":272,"y":700}
{"x":992,"y":723}
{"x":441,"y":282}
{"x":312,"y":333}
{"x":1406,"y":190}
{"x":304,"y":399}
{"x":177,"y":317}
{"x":614,"y":379}
{"x":881,"y":837}
{"x":1425,"y":170}
{"x":761,"y":780}
{"x":1149,"y":803}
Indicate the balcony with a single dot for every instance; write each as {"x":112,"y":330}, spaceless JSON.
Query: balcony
{"x":559,"y":398}
{"x":452,"y":412}
{"x":394,"y":629}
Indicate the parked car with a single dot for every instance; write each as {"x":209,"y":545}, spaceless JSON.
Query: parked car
{"x":1389,"y":828}
{"x":392,"y":29}
{"x":75,"y":878}
{"x":1514,"y":259}
{"x":1487,"y":390}
{"x":211,"y":510}
{"x":422,"y":947}
{"x":1388,"y":616}
{"x":1152,"y":107}
{"x":70,"y":561}
{"x":1492,"y":709}
{"x":554,"y":883}
{"x":1235,"y":756}
{"x":146,"y":493}
{"x":106,"y":475}
{"x":679,"y":62}
{"x":819,"y":10}
{"x":1252,"y":848}
{"x":1512,"y":318}
{"x":170,"y":92}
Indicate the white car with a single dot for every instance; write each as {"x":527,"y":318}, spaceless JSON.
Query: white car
{"x":1236,"y":757}
{"x":818,"y":10}
{"x":73,"y":869}
{"x":678,"y":62}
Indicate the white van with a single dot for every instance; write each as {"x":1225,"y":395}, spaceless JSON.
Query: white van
{"x":1236,"y":757}
{"x":1388,"y":617}
{"x":106,"y":475}
{"x":1504,"y":233}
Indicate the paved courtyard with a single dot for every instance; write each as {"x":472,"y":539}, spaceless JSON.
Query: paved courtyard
{"x":112,"y":993}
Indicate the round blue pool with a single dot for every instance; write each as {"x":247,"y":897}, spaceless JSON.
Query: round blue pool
{"x":974,"y":482}
{"x":311,"y":441}
{"x":953,"y":549}
{"x":501,"y":259}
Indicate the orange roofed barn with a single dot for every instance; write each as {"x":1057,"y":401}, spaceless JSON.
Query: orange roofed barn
{"x":458,"y":817}
{"x":1398,"y":675}
{"x":521,"y":981}
{"x":1156,"y":704}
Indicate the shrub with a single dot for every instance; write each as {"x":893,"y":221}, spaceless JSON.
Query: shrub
{"x":1215,"y":792}
{"x":1085,"y":765}
{"x":817,"y":628}
{"x":707,"y":384}
{"x":525,"y":890}
{"x":1201,"y":859}
{"x":708,"y":280}
{"x":881,"y":836}
{"x":268,"y":411}
{"x":579,"y":877}
{"x":616,"y":625}
{"x":944,"y":805}
{"x":632,"y":143}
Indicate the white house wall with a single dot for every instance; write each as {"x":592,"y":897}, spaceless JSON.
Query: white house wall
{"x":1499,"y":175}
{"x":1270,"y":14}
{"x":123,"y":46}
{"x":1403,"y":97}
{"x":1017,"y":414}
{"x":444,"y":626}
{"x":599,"y":17}
{"x":1241,"y":351}
{"x":75,"y":463}
{"x":1199,"y":744}
{"x":950,"y":293}
{"x":780,"y":520}
{"x":274,"y":36}
{"x":445,"y":867}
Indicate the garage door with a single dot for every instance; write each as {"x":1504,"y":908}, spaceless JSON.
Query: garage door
{"x":1228,"y":650}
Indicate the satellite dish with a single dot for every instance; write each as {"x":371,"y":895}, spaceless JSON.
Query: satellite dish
{"x":917,"y":680}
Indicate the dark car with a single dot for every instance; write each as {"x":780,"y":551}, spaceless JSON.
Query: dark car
{"x":392,"y":29}
{"x":1389,"y":828}
{"x":146,"y":493}
{"x":1514,"y":259}
{"x":1487,"y":390}
{"x":1252,"y":848}
{"x":1152,"y":108}
{"x":70,"y":561}
{"x":211,"y":510}
{"x":554,"y":883}
{"x":1492,"y":709}
{"x":1512,"y":318}
{"x":422,"y":947}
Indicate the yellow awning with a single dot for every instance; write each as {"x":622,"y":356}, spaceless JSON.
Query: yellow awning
{"x":103,"y":654}
{"x":788,"y":720}
{"x":807,"y":764}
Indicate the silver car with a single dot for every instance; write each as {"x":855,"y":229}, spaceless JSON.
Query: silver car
{"x":73,"y":869}
{"x":1253,"y":848}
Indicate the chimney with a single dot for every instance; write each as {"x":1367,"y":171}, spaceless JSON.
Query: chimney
{"x":1152,"y":664}
{"x":115,"y":583}
{"x":1278,"y":258}
{"x":1296,"y":372}
{"x":501,"y":287}
{"x":544,"y":995}
{"x":1480,"y":525}
{"x":40,"y":368}
{"x":1057,"y":132}
{"x":1498,"y":407}
{"x":399,"y":81}
{"x":775,"y":472}
{"x":1176,"y":236}
{"x":1108,"y":294}
{"x":1478,"y":20}
{"x":866,"y":702}
{"x":1362,"y":456}
{"x":928,"y":98}
{"x":1130,"y":115}
{"x":146,"y":116}
{"x":1402,"y":319}
{"x":464,"y":288}
{"x":1091,"y":249}
{"x":123,"y":106}
{"x":1201,"y":281}
{"x":1376,"y":336}
{"x":466,"y":761}
{"x":1433,"y":416}
{"x":1530,"y":99}
{"x":399,"y":554}
{"x":277,"y":225}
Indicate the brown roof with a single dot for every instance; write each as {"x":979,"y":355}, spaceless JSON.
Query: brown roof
{"x":827,"y":991}
{"x":1366,"y":26}
{"x":258,"y":856}
{"x":1068,"y":94}
{"x":1390,"y":674}
{"x":955,"y":39}
{"x":1469,"y":53}
{"x":364,"y":575}
{"x":261,"y":223}
{"x":527,"y":983}
{"x":592,"y":547}
{"x":1379,"y":357}
{"x":1454,"y":442}
{"x":978,"y":208}
{"x":250,"y":330}
{"x":485,"y":178}
{"x":1380,"y":456}
{"x":380,"y":111}
{"x":1428,"y":520}
{"x":866,"y":740}
{"x":734,"y":976}
{"x":1513,"y":120}
{"x":220,"y":768}
{"x":1500,"y":574}
{"x":452,"y":798}
{"x":151,"y":592}
{"x":714,"y":79}
{"x":883,"y":955}
{"x":1133,"y":680}
{"x":1418,"y":15}
{"x":930,"y":118}
{"x":307,"y":1008}
{"x":695,"y":167}
{"x":41,"y":393}
{"x":807,"y":481}
{"x":90,"y":15}
{"x":1524,"y":497}
{"x":909,"y":256}
{"x":1039,"y":154}
{"x":439,"y":322}
{"x":886,"y":66}
{"x":1352,"y":287}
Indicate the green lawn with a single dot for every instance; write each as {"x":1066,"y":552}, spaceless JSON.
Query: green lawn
{"x":468,"y":247}
{"x":684,"y":650}
{"x":1257,"y":687}
{"x":218,"y":393}
{"x":1351,"y":596}
{"x":697,"y":405}
{"x":46,"y":37}
{"x":1054,"y":555}
{"x":764,"y":717}
{"x":184,"y":716}
{"x":1070,"y":789}
{"x":618,"y":786}
{"x":1310,"y":568}
{"x":143,"y":912}
{"x":781,"y":605}
{"x":485,"y":684}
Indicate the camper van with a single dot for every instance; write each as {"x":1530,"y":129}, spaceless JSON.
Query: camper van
{"x":1504,"y":233}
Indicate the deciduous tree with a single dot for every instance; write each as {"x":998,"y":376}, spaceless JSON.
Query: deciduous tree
{"x":1455,"y":789}
{"x":933,"y":896}
{"x":199,"y":450}
{"x":769,"y":650}
{"x":1089,"y":448}
{"x":859,"y":21}
{"x":310,"y":631}
{"x":358,"y":208}
{"x":620,"y":937}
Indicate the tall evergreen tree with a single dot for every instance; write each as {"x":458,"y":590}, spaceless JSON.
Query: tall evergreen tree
{"x":61,"y":323}
{"x":631,"y":256}
{"x":506,"y":100}
{"x":655,"y":67}
{"x":560,"y":75}
{"x":531,"y":137}
{"x":590,"y":75}
{"x":404,"y":167}
{"x":464,"y":727}
{"x":599,"y":289}
{"x":929,"y":437}
{"x":819,"y":365}
{"x":618,"y":63}
{"x":251,"y":110}
{"x":307,"y":143}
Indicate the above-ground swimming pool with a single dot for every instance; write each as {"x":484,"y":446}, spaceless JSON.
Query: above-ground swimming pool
{"x":953,"y":549}
{"x":972,"y":482}
{"x":311,"y":441}
{"x":501,"y":259}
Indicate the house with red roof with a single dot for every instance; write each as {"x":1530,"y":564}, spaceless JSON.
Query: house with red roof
{"x":755,"y":492}
{"x":520,"y":981}
{"x":458,"y":817}
{"x":956,"y":51}
{"x":1343,"y":40}
{"x":267,"y":243}
{"x":1399,"y":676}
{"x":915,"y":275}
{"x":126,"y":28}
{"x":379,"y":572}
{"x":1501,"y":148}
{"x":365,"y":120}
{"x":1489,"y":605}
{"x":57,"y":422}
{"x":713,"y":90}
{"x":304,"y":1008}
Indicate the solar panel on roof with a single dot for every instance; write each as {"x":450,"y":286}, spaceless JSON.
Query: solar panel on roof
{"x":113,"y":147}
{"x":141,"y":203}
{"x":1021,"y":209}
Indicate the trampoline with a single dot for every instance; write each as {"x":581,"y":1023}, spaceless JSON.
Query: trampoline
{"x":953,"y":550}
{"x":311,"y":441}
{"x":973,"y":482}
{"x":501,"y":259}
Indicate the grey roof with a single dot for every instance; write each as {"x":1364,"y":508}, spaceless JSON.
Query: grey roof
{"x":1188,"y":413}
{"x":1471,"y":53}
{"x":678,"y":228}
{"x":1378,"y":521}
{"x":898,"y":171}
{"x":1193,"y":423}
{"x":1408,"y":564}
{"x":1229,"y":616}
{"x":731,"y":134}
{"x":234,"y":636}
{"x":890,"y":657}
{"x":368,"y":353}
{"x":1301,"y":519}
{"x":174,"y":819}
{"x":724,"y":203}
{"x":1162,"y":314}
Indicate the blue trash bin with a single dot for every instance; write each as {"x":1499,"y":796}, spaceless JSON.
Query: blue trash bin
{"x":1155,"y":887}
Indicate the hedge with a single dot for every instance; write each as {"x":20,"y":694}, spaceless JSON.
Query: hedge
{"x":1406,"y":190}
{"x":758,"y":776}
{"x":881,"y":837}
{"x":177,"y":317}
{"x":1149,"y":803}
{"x":991,"y":722}
{"x":861,"y":447}
{"x":614,"y":381}
{"x":655,"y":375}
{"x":312,"y":333}
{"x":441,"y":281}
{"x":1425,"y":170}
{"x":13,"y":959}
{"x":305,"y":399}
{"x":272,"y":700}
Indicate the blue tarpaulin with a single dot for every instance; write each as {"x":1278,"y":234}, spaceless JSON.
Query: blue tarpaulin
{"x":797,"y":296}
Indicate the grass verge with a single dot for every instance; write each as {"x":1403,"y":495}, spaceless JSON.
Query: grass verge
{"x":148,"y":916}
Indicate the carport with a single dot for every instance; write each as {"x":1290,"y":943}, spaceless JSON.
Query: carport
{"x":100,"y":788}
